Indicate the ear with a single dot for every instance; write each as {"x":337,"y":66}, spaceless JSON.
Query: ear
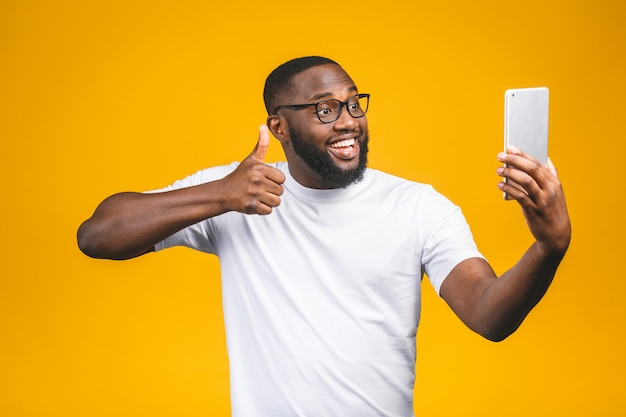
{"x":278,"y":127}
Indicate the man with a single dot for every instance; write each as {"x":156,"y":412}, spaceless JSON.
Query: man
{"x":322,"y":258}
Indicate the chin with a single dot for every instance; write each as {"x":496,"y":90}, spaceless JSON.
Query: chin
{"x":325,"y":166}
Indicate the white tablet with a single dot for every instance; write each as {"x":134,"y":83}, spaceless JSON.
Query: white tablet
{"x":526,"y":121}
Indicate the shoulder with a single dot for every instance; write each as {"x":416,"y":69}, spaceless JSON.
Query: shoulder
{"x":402,"y":187}
{"x":200,"y":177}
{"x":381,"y":177}
{"x":419,"y":202}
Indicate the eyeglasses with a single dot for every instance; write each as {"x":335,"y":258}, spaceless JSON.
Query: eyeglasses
{"x":328,"y":111}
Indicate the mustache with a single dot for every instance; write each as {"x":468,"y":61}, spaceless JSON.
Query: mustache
{"x":361,"y":136}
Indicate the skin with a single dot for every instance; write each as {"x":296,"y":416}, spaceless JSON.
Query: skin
{"x":316,"y":84}
{"x":130,"y":224}
{"x":127,"y":225}
{"x":495,"y":307}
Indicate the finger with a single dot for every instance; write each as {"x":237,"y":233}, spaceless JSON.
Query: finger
{"x":552,"y":168}
{"x":514,"y":192}
{"x":519,"y":160}
{"x":264,"y":142}
{"x":271,"y":200}
{"x":259,"y":208}
{"x":520,"y":180}
{"x":275,"y":175}
{"x":264,"y":205}
{"x":274,"y":188}
{"x":520,"y":152}
{"x":514,"y":155}
{"x":272,"y":181}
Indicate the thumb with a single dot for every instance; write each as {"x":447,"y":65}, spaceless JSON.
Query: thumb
{"x":552,"y":168}
{"x":264,"y":142}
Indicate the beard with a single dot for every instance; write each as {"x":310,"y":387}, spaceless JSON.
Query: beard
{"x":323,"y":165}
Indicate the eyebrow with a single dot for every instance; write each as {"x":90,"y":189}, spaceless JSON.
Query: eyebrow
{"x":329,"y":94}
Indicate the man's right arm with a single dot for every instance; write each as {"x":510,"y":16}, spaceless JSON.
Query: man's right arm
{"x":127,"y":225}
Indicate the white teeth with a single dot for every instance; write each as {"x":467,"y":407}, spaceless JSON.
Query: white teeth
{"x":343,"y":143}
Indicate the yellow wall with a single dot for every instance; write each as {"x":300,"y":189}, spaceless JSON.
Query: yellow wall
{"x":100,"y":97}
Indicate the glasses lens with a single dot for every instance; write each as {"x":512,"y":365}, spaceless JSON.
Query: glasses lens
{"x":328,"y":110}
{"x":357,"y":106}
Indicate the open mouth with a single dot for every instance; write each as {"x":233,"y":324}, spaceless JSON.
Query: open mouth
{"x":345,"y":148}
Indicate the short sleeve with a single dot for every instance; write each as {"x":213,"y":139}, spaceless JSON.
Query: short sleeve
{"x":449,"y":242}
{"x":196,"y":236}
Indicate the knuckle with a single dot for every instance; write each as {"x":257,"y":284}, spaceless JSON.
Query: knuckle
{"x":511,"y":158}
{"x":251,"y":204}
{"x":256,"y":178}
{"x":524,"y":199}
{"x":249,"y":208}
{"x":533,"y":169}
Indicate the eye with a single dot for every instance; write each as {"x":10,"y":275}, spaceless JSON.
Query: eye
{"x":324,"y":109}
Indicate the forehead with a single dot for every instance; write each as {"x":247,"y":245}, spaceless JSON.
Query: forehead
{"x":323,"y":81}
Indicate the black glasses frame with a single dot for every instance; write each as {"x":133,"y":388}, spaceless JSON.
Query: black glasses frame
{"x":341,"y":106}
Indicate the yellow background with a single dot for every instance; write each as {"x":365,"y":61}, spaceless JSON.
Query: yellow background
{"x":107,"y":96}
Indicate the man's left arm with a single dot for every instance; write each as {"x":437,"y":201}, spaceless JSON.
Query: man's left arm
{"x":495,"y":307}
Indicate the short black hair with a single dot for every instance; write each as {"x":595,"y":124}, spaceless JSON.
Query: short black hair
{"x":279,"y":82}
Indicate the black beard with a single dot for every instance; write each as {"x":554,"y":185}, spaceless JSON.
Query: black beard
{"x":323,"y":165}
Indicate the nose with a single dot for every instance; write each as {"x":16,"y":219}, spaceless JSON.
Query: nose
{"x":345,"y":120}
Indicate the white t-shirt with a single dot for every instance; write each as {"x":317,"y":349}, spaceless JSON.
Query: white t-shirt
{"x":322,"y":297}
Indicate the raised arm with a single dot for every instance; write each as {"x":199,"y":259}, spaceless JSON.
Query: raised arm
{"x":495,"y":307}
{"x":127,"y":225}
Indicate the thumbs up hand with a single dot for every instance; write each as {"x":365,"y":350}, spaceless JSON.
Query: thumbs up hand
{"x":254,"y":188}
{"x":263,"y":143}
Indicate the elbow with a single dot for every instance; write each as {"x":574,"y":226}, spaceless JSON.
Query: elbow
{"x":92,"y":243}
{"x":495,"y":336}
{"x":105,"y":234}
{"x":498,"y":333}
{"x":86,"y":241}
{"x":95,"y":243}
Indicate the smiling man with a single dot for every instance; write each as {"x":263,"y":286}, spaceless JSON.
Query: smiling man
{"x":322,"y":258}
{"x":333,"y":152}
